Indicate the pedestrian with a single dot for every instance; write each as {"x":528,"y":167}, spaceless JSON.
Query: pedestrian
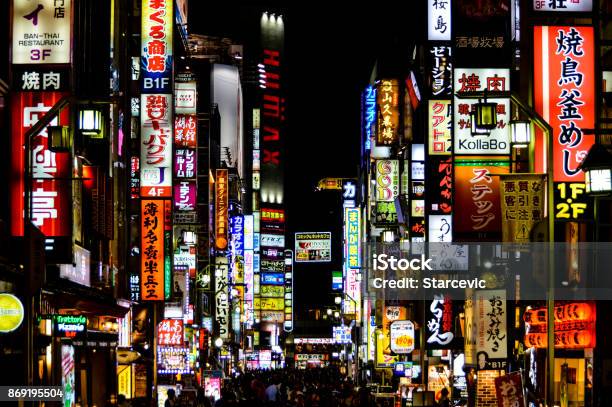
{"x":201,"y":400}
{"x":171,"y":400}
{"x":121,"y":401}
{"x":444,"y":400}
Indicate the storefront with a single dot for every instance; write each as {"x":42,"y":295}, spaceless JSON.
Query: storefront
{"x":575,"y":340}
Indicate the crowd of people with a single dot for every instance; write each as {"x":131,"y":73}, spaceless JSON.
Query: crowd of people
{"x":287,"y":387}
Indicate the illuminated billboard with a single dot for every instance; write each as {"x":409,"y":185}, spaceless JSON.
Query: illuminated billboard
{"x":152,"y":248}
{"x":156,"y":46}
{"x":564,"y":94}
{"x":312,"y":247}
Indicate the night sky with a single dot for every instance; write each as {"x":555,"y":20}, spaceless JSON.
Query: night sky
{"x":330,"y":51}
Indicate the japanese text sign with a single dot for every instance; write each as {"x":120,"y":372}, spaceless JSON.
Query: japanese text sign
{"x":470,"y":80}
{"x":222,"y":295}
{"x":221,"y":209}
{"x":388,"y":112}
{"x":51,"y":205}
{"x":387,"y":180}
{"x":440,"y":119}
{"x":156,"y":146}
{"x":170,"y":332}
{"x":491,"y":330}
{"x":185,"y":130}
{"x":185,"y":195}
{"x":563,"y":5}
{"x":509,"y":390}
{"x":564,"y":84}
{"x":185,"y":163}
{"x":522,"y":205}
{"x":156,"y":48}
{"x":352,"y":224}
{"x":477,"y":206}
{"x":152,"y":250}
{"x":439,"y":20}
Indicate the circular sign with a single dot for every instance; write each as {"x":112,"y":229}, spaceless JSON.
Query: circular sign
{"x":11,"y":313}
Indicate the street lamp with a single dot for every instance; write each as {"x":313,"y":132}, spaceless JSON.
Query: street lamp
{"x":337,"y":300}
{"x":597,"y":167}
{"x":219,"y":342}
{"x":521,"y":133}
{"x":90,"y":122}
{"x":484,"y":118}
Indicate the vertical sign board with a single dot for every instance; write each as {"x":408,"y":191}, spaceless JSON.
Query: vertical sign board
{"x":509,"y":390}
{"x":440,"y":121}
{"x":222,"y":295}
{"x":152,"y":250}
{"x":491,"y":330}
{"x":387,"y":180}
{"x":51,"y":206}
{"x":369,"y":116}
{"x":156,"y":46}
{"x":522,"y":205}
{"x":185,"y":131}
{"x":272,"y":117}
{"x":439,"y":20}
{"x":156,"y":99}
{"x":441,"y":79}
{"x":156,"y":148}
{"x":288,"y":324}
{"x":470,"y":80}
{"x":564,"y":84}
{"x":440,"y":185}
{"x":221,"y":209}
{"x":352,"y":260}
{"x":388,"y":112}
{"x":41,"y":32}
{"x":185,"y":100}
{"x":477,"y":205}
{"x":390,"y":314}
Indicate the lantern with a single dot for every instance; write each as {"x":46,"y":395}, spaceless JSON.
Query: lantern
{"x":521,"y":133}
{"x":484,"y":118}
{"x":90,"y":122}
{"x":597,"y":167}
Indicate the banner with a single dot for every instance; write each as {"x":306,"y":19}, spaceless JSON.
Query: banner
{"x":564,"y":86}
{"x":509,"y":390}
{"x":522,"y":205}
{"x":477,"y":205}
{"x":152,"y":250}
{"x":491,"y":330}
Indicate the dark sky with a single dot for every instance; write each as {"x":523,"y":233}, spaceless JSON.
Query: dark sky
{"x":330,"y":51}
